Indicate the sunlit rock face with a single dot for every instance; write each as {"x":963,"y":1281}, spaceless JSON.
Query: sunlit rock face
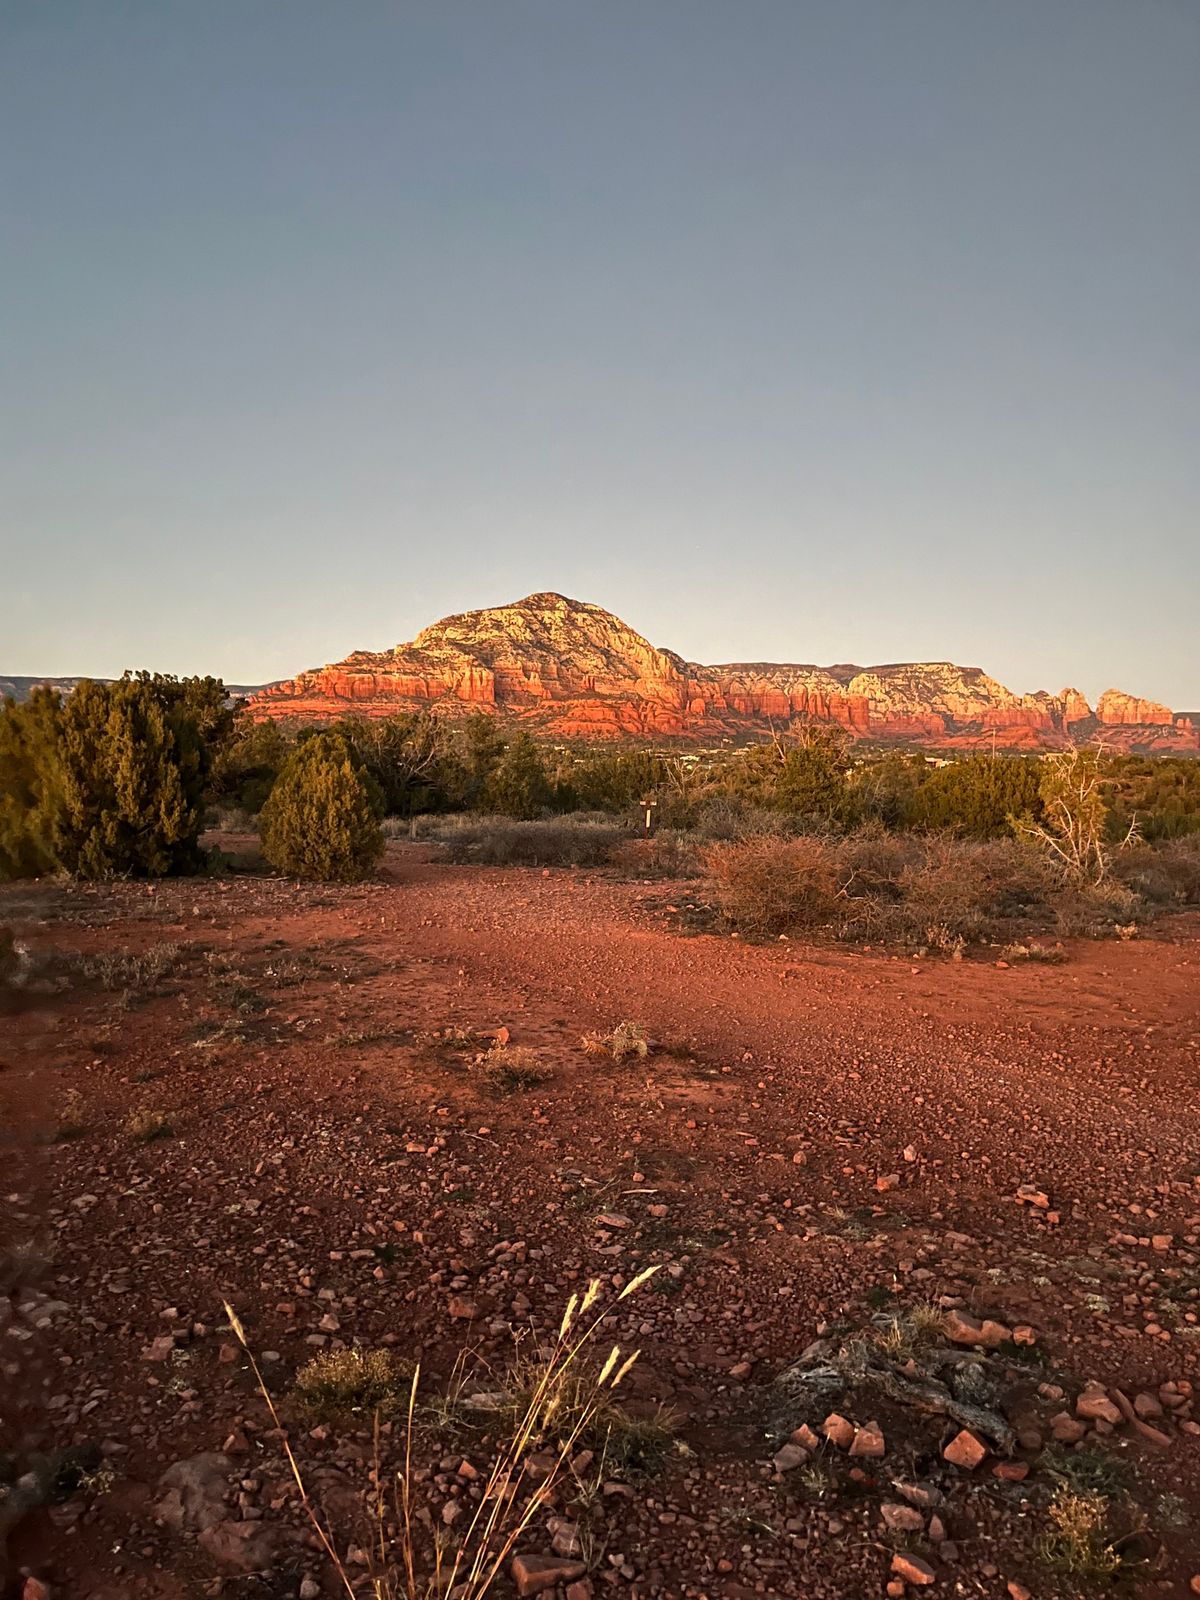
{"x":574,"y":671}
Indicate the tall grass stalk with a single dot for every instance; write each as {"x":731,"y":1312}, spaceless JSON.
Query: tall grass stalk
{"x":560,"y":1401}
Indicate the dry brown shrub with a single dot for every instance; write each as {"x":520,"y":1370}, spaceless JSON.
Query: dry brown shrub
{"x":555,"y":842}
{"x":767,"y":886}
{"x":665,"y":855}
{"x":1097,"y":911}
{"x":1162,"y":875}
{"x":932,"y":892}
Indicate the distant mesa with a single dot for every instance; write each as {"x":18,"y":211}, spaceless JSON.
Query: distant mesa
{"x":20,"y":688}
{"x":570,"y":670}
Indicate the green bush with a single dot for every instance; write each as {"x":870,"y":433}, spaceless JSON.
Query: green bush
{"x":110,"y":780}
{"x":812,"y":780}
{"x":321,"y":819}
{"x":519,"y":786}
{"x":976,"y":798}
{"x":245,"y":768}
{"x":28,"y":737}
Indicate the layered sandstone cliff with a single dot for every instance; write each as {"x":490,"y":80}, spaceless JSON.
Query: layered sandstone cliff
{"x":573,"y":670}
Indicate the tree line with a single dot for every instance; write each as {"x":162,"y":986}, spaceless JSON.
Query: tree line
{"x":119,"y":778}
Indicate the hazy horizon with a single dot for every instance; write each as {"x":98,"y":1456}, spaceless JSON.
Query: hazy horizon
{"x":795,"y":332}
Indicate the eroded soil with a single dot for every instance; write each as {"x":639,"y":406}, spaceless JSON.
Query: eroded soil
{"x":821,"y":1135}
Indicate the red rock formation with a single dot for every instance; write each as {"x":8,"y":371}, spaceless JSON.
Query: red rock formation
{"x":1116,"y":709}
{"x":575,"y":671}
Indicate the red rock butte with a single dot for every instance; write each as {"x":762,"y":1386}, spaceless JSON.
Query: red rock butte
{"x":572,"y":671}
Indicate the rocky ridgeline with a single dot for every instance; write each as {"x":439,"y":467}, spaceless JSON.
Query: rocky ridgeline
{"x":573,"y":670}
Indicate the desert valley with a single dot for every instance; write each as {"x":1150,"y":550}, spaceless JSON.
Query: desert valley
{"x":600,"y":800}
{"x":840,"y":1057}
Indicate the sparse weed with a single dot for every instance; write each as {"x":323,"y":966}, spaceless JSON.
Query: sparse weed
{"x":135,"y":972}
{"x":411,"y":1563}
{"x":71,"y":1122}
{"x":816,"y":1479}
{"x":146,"y":1125}
{"x":351,"y":1383}
{"x":510,"y":1067}
{"x":97,"y":1481}
{"x":626,"y":1039}
{"x":1078,"y":1542}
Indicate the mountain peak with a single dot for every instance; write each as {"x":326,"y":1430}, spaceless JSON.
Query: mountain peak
{"x":572,"y":670}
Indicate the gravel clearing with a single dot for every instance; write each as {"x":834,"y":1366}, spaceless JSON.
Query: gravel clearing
{"x":906,"y":1194}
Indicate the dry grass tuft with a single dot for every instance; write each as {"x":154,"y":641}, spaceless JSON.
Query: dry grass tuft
{"x":146,"y":1125}
{"x":902,"y":1335}
{"x":351,"y":1383}
{"x":1078,"y":1543}
{"x":132,"y":971}
{"x":565,"y":1399}
{"x":626,"y":1039}
{"x":510,"y":1067}
{"x":1050,"y":954}
{"x":71,"y":1121}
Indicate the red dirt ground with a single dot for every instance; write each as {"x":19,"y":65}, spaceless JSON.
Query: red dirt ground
{"x":341,"y":1177}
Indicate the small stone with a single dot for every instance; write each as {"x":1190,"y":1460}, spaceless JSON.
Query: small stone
{"x":463,"y":1310}
{"x":869,"y":1441}
{"x":838,"y":1430}
{"x":965,"y":1450}
{"x":912,"y":1569}
{"x":532,"y":1574}
{"x":790,"y":1457}
{"x":1011,"y":1471}
{"x":1066,"y":1429}
{"x":918,"y":1493}
{"x":309,"y":1589}
{"x":901,"y":1519}
{"x":1094,"y":1405}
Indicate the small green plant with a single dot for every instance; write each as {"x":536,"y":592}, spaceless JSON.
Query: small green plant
{"x":351,"y":1383}
{"x":1090,"y":1470}
{"x":146,"y":1125}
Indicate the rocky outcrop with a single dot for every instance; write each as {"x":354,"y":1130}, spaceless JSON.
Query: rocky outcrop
{"x":574,"y":671}
{"x":1114,"y":709}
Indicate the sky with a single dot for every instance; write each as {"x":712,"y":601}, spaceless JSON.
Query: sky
{"x":860,"y":330}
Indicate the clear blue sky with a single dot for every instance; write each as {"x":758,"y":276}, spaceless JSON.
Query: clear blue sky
{"x":859,"y":330}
